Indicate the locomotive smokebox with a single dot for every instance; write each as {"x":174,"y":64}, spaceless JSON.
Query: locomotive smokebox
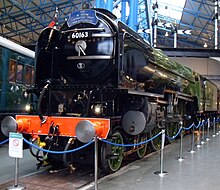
{"x":49,"y":39}
{"x":134,"y":122}
{"x":8,"y":125}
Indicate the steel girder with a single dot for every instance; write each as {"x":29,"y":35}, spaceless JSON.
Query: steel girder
{"x":135,"y":13}
{"x":131,"y":19}
{"x":22,"y":21}
{"x":145,"y":19}
{"x":198,"y":17}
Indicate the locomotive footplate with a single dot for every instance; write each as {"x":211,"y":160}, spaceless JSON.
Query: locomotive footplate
{"x":94,"y":88}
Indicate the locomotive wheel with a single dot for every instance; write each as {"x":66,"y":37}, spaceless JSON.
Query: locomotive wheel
{"x":156,"y":142}
{"x":111,"y":160}
{"x":171,"y":130}
{"x":142,"y":151}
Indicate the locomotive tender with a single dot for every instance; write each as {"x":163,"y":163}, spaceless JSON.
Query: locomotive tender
{"x":96,"y":76}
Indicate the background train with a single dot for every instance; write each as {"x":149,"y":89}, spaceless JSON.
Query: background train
{"x":16,"y":75}
{"x":96,"y":76}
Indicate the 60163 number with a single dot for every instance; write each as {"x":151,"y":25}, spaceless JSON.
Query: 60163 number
{"x":80,"y":35}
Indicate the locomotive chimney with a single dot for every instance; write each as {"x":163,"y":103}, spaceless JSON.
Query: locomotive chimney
{"x":85,"y":6}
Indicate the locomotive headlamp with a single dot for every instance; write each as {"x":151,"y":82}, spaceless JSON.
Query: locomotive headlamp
{"x":28,"y":107}
{"x":98,"y":109}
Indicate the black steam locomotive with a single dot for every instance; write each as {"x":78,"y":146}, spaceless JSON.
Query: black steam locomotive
{"x":96,"y":76}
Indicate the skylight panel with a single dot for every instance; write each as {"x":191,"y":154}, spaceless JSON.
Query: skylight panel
{"x":171,"y":8}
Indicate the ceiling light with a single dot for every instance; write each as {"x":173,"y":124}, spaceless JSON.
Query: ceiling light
{"x":205,"y":45}
{"x":166,"y":34}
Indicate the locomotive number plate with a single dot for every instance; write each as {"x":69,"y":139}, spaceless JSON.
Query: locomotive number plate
{"x":76,"y":35}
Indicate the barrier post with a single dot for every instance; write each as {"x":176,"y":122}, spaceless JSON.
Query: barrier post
{"x":16,"y":186}
{"x":161,"y":173}
{"x":203,"y":133}
{"x":16,"y":151}
{"x":180,"y":158}
{"x":192,"y":139}
{"x":208,"y":127}
{"x":96,"y":163}
{"x":214,"y":133}
{"x":217,"y":133}
{"x":199,"y":138}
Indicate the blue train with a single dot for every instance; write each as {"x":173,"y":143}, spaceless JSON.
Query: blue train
{"x":16,"y":75}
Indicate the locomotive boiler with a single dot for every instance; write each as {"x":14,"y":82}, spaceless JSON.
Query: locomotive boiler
{"x":96,"y":76}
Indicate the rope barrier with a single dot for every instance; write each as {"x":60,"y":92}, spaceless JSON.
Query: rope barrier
{"x":199,"y":124}
{"x":3,"y":142}
{"x":57,"y":152}
{"x":114,"y":144}
{"x":127,"y":145}
{"x":186,"y":129}
{"x":161,"y":173}
{"x":108,"y":142}
{"x":171,"y":138}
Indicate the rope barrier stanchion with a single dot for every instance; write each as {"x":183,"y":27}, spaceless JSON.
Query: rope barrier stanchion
{"x":203,"y":133}
{"x":217,"y":126}
{"x":16,"y":186}
{"x":192,"y":139}
{"x":199,"y":130}
{"x":96,"y":163}
{"x":208,"y":127}
{"x":16,"y":151}
{"x":217,"y":123}
{"x":214,"y":133}
{"x":180,"y":158}
{"x":161,"y":173}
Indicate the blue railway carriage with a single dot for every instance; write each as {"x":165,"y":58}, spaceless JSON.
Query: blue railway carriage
{"x":16,"y":75}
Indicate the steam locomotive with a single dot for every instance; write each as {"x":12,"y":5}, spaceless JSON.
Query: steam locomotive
{"x":97,"y":77}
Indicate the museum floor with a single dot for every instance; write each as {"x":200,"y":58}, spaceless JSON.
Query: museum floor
{"x":198,"y":171}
